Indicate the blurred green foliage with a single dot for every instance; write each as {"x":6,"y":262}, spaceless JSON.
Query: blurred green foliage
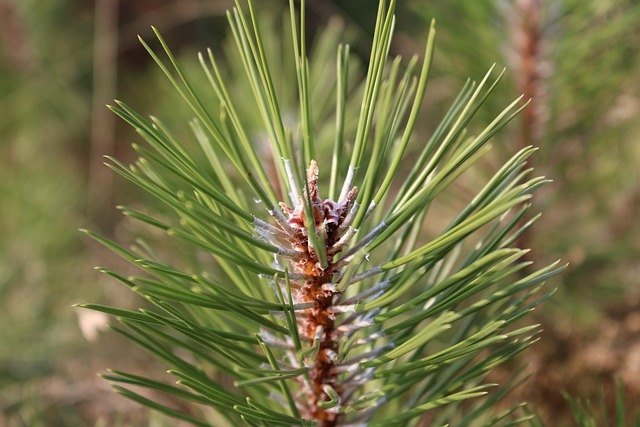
{"x":44,"y":91}
{"x":579,"y":61}
{"x":588,"y":105}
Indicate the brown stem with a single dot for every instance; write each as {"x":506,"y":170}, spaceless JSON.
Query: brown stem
{"x":318,"y":322}
{"x":319,"y":318}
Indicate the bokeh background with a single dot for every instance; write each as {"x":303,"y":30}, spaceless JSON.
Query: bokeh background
{"x":61,"y":61}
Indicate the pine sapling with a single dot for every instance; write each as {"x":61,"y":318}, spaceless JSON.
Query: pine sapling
{"x":325,"y":303}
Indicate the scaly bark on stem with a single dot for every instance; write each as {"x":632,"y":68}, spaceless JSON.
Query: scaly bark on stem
{"x":318,"y":321}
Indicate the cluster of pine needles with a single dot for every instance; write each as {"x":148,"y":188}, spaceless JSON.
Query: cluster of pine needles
{"x":317,"y":299}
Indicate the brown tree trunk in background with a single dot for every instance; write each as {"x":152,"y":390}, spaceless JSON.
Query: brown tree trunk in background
{"x":528,"y":39}
{"x":527,"y":28}
{"x":14,"y":37}
{"x":105,"y":74}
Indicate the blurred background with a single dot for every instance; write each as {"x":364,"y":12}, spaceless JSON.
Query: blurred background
{"x":61,"y":61}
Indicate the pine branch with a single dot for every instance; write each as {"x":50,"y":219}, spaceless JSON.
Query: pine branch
{"x":324,"y":311}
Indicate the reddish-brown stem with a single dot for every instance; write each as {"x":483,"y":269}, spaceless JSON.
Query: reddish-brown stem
{"x":318,"y":323}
